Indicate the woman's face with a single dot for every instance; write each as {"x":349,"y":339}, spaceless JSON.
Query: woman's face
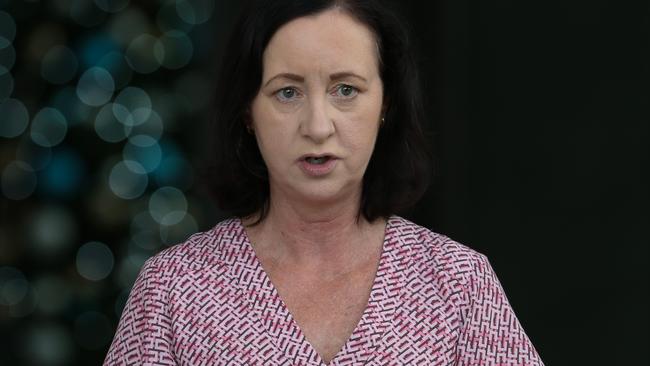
{"x":321,"y":95}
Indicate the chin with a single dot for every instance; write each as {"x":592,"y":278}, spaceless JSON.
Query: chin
{"x":323,"y":192}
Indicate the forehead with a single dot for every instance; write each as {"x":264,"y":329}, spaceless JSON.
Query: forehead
{"x":325,"y":41}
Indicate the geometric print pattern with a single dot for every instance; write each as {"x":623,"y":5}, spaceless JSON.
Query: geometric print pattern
{"x":208,"y":301}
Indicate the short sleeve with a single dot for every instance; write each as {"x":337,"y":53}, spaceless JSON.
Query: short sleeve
{"x":144,"y":334}
{"x":491,"y":334}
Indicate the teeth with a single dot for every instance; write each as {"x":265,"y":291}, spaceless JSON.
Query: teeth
{"x":320,"y":160}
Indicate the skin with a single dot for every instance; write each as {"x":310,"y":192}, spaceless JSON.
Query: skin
{"x":321,"y":260}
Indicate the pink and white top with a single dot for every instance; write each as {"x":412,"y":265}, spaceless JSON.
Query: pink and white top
{"x":208,"y":301}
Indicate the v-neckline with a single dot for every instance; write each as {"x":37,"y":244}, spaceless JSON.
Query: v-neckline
{"x":280,"y":324}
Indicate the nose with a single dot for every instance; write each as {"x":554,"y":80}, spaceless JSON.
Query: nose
{"x":317,"y":123}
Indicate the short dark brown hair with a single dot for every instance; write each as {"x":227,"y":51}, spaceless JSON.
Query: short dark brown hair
{"x":399,"y":169}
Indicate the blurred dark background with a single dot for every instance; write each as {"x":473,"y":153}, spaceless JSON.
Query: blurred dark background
{"x":539,"y":119}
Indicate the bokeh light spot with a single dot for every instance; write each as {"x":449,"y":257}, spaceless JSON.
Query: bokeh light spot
{"x":128,"y":179}
{"x":59,"y":65}
{"x":48,"y":344}
{"x":7,"y":26}
{"x":4,"y":42}
{"x":108,"y":127}
{"x":18,"y":180}
{"x":144,"y":150}
{"x":52,"y":229}
{"x":141,"y":55}
{"x":93,"y":330}
{"x":95,"y":87}
{"x":15,"y":118}
{"x":13,"y":286}
{"x":152,"y":127}
{"x":174,"y":50}
{"x":7,"y":54}
{"x":49,"y":127}
{"x":14,"y":290}
{"x":142,"y":141}
{"x":94,"y":261}
{"x":168,"y":205}
{"x":195,"y":11}
{"x":132,"y":106}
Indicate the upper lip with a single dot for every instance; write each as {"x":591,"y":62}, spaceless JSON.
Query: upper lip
{"x":318,"y":155}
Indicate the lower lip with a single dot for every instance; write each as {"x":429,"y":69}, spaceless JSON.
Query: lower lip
{"x":317,"y":170}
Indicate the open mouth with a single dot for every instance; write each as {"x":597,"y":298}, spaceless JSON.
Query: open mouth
{"x":318,"y":160}
{"x":318,"y":165}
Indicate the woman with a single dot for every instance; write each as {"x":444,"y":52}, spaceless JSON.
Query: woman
{"x":318,"y":144}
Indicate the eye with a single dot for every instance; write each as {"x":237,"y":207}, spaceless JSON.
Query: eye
{"x":346,"y":91}
{"x":287,"y":94}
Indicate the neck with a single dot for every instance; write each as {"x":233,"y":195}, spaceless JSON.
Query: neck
{"x":316,"y":234}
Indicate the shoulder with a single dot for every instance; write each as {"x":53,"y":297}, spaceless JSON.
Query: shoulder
{"x":200,"y":250}
{"x":429,"y":246}
{"x":439,"y":259}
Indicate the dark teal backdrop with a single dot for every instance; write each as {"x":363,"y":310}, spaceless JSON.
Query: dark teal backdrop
{"x":539,"y":121}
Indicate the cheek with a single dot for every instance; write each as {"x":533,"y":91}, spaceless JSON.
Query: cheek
{"x":264,"y":129}
{"x":362,"y":134}
{"x":360,"y":143}
{"x":364,"y":124}
{"x":267,"y":141}
{"x":274,"y":144}
{"x":362,"y":128}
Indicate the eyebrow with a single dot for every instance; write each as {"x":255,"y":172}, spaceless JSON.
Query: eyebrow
{"x":286,"y":75}
{"x":300,"y":79}
{"x":346,"y":74}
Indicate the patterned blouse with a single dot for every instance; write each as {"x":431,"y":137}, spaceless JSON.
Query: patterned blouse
{"x":209,"y":302}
